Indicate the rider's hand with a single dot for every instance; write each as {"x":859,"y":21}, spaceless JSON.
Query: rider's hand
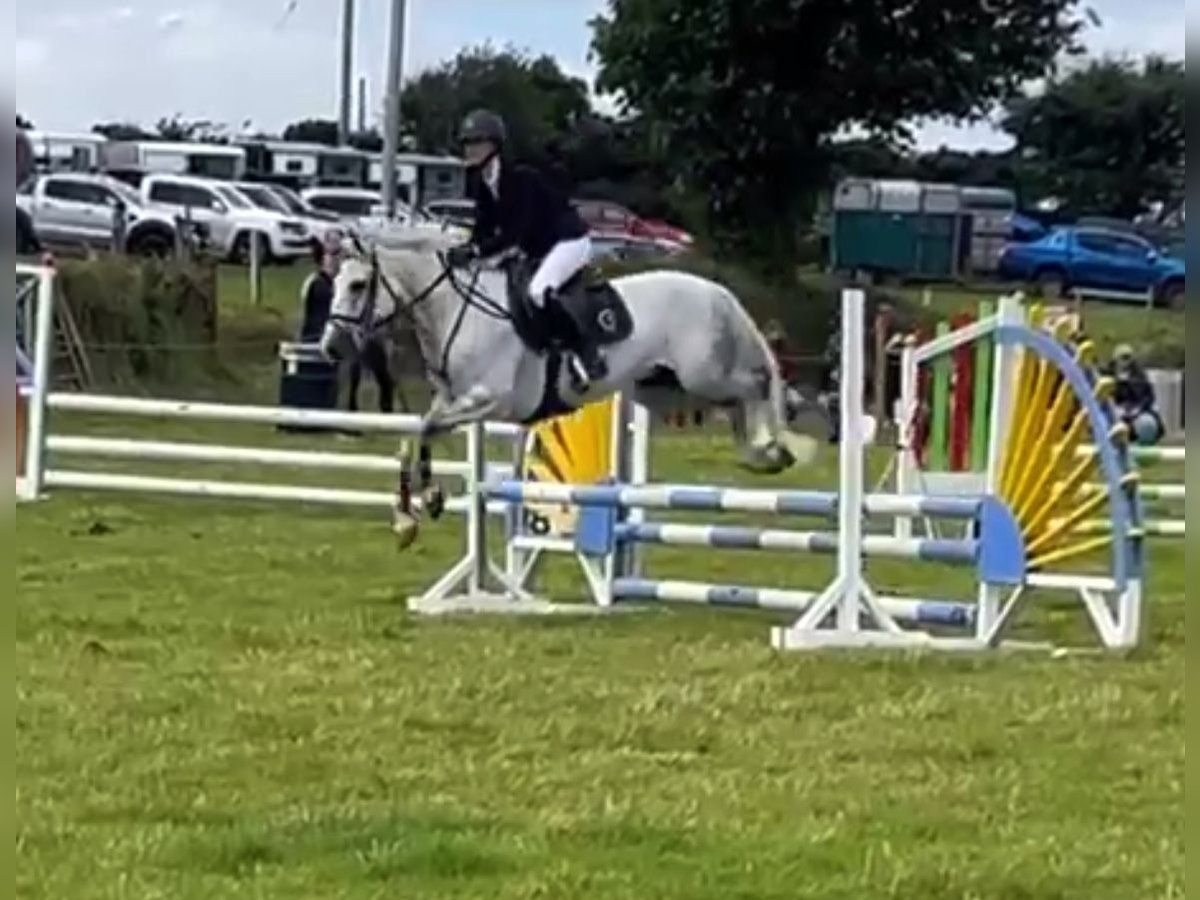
{"x":461,"y":256}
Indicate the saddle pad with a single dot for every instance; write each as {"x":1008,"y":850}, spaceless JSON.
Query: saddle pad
{"x":600,"y":309}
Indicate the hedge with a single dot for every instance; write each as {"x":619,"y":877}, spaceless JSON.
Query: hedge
{"x":142,"y":319}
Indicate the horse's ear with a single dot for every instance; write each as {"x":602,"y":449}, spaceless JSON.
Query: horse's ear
{"x":357,"y":243}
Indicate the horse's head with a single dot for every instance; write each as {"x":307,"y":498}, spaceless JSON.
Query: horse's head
{"x":406,"y":272}
{"x":354,"y":308}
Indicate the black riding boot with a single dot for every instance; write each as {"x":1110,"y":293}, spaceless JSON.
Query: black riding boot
{"x":585,"y":364}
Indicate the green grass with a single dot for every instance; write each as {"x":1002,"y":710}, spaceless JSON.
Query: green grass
{"x":222,"y":700}
{"x":219,"y":700}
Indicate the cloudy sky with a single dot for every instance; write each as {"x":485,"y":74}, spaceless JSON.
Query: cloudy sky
{"x":79,"y":62}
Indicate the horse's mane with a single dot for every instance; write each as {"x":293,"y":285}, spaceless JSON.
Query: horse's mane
{"x":420,"y":241}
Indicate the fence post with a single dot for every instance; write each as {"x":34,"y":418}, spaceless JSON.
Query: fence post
{"x":255,"y":269}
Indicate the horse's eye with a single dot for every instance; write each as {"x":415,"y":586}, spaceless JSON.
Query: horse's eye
{"x":358,"y":286}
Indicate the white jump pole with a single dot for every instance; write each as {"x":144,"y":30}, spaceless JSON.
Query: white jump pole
{"x":43,"y":351}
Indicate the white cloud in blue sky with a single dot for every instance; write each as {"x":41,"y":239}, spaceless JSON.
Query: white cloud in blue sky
{"x":83,"y":61}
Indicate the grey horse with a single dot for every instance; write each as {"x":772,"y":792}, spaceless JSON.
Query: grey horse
{"x":670,"y":338}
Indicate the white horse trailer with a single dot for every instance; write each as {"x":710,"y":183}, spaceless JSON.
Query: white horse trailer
{"x":220,"y":161}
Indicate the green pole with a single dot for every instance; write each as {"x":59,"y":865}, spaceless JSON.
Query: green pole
{"x":981,"y":410}
{"x":939,"y":413}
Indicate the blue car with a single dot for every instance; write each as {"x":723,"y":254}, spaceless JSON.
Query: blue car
{"x":1100,"y":261}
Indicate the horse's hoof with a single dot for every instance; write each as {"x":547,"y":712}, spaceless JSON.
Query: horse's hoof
{"x":801,"y":447}
{"x":405,"y":528}
{"x":435,"y":502}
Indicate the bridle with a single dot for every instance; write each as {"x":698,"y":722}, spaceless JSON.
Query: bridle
{"x":468,"y":292}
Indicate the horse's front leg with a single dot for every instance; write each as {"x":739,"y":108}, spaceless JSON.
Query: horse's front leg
{"x":407,"y":511}
{"x":473,"y":406}
{"x":405,"y":521}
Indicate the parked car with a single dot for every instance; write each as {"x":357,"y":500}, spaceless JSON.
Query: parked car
{"x":318,"y":224}
{"x":84,"y":209}
{"x":1095,"y":259}
{"x":231,"y":219}
{"x":607,"y":218}
{"x":460,"y":212}
{"x":362,"y":209}
{"x":625,"y":247}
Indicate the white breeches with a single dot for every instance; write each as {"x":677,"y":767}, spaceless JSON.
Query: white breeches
{"x":562,"y":262}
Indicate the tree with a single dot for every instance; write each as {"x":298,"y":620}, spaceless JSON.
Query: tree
{"x":749,"y":93}
{"x":538,"y":100}
{"x":369,"y":141}
{"x":122,"y":131}
{"x":176,"y":128}
{"x":1107,"y":138}
{"x":313,"y":131}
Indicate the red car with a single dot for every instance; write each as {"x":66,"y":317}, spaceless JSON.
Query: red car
{"x":607,"y":218}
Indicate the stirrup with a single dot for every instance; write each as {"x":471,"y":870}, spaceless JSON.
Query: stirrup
{"x":578,"y":373}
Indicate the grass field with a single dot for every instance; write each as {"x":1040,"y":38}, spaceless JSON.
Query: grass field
{"x":228,"y":700}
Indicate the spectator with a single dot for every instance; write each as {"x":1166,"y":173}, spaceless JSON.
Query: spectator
{"x":1133,"y":396}
{"x":317,"y":292}
{"x":1133,"y":393}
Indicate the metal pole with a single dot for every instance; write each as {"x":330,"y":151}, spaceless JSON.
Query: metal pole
{"x":347,"y":82}
{"x":43,"y":355}
{"x":391,"y":116}
{"x":256,"y":254}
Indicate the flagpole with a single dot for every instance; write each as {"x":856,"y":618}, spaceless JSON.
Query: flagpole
{"x":391,"y":118}
{"x":347,"y":72}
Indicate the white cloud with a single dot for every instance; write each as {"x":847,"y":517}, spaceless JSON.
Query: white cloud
{"x":67,"y":22}
{"x":171,"y":21}
{"x":31,"y":53}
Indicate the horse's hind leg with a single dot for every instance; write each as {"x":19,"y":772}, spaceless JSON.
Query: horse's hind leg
{"x":756,"y":415}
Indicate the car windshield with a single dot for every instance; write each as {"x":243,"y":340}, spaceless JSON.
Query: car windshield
{"x":290,"y":201}
{"x":232,"y":197}
{"x":263,"y":198}
{"x":127,"y":194}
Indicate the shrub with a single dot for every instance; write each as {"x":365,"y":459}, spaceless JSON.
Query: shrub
{"x":142,"y":319}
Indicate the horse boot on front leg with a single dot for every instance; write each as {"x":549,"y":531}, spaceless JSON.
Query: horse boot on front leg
{"x":405,"y":523}
{"x":585,"y":363}
{"x":432,"y":496}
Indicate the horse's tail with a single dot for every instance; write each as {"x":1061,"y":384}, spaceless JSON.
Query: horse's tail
{"x":776,"y":390}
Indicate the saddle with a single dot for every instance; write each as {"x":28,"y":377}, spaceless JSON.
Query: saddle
{"x":593,"y":304}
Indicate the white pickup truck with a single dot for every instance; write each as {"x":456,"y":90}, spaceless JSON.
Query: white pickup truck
{"x":229,"y":217}
{"x":89,"y":209}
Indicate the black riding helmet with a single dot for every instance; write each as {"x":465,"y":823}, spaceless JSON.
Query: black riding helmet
{"x":483,"y":125}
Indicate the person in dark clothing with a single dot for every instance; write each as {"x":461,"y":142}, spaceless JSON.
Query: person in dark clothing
{"x":1133,"y":396}
{"x":317,"y":292}
{"x":517,"y":207}
{"x":1133,"y":393}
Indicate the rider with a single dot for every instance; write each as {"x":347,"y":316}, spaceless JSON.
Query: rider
{"x":517,"y":207}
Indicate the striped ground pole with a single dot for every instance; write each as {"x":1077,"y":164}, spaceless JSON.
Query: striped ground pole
{"x":709,"y":499}
{"x":735,"y":537}
{"x":923,"y":612}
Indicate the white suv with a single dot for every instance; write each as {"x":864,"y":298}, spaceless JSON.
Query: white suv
{"x":230,"y":218}
{"x":362,"y":209}
{"x":266,"y":196}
